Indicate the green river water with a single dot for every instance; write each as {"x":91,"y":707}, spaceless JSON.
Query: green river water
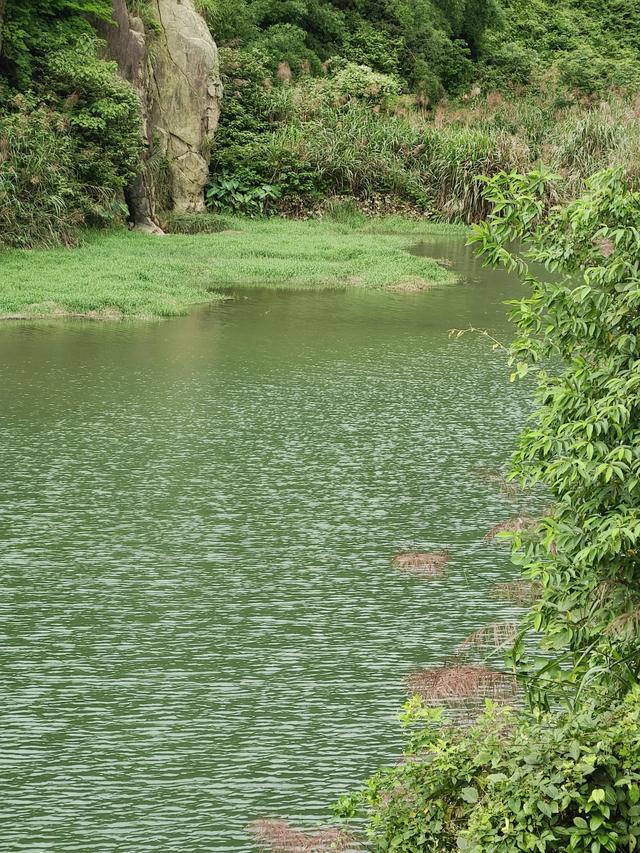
{"x":201,"y":625}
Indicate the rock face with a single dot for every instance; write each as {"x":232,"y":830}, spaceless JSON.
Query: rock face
{"x":185,"y":103}
{"x":174,"y":68}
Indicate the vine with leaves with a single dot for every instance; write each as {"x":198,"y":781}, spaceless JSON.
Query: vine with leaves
{"x":564,"y":773}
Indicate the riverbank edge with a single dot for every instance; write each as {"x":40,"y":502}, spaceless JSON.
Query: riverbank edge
{"x":126,"y":275}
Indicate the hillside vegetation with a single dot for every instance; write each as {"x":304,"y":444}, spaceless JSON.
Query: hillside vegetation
{"x":492,"y":86}
{"x":398,"y":105}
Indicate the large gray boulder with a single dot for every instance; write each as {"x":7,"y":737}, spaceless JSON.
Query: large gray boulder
{"x":185,"y":102}
{"x":174,"y":68}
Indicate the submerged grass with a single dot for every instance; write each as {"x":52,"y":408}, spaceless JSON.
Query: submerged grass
{"x":128,"y":274}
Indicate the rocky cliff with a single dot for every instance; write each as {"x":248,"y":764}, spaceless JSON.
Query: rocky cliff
{"x":173,"y":65}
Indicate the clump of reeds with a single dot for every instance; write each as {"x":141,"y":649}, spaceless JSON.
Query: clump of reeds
{"x":521,"y":592}
{"x":485,"y":640}
{"x":462,"y":685}
{"x":279,"y":836}
{"x":511,"y":525}
{"x":428,"y":564}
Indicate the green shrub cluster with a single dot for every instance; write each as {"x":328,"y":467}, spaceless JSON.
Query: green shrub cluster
{"x":549,"y":779}
{"x":512,"y":782}
{"x":39,"y":190}
{"x":584,"y":443}
{"x":287,"y":147}
{"x":331,"y":98}
{"x":592,"y":45}
{"x":70,"y":128}
{"x":429,"y":44}
{"x":438,"y":47}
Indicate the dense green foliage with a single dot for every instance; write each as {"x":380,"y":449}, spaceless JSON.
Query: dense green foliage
{"x":397,"y":104}
{"x":585,"y":443}
{"x":593,"y":45}
{"x":70,"y":132}
{"x":32,"y":29}
{"x":438,"y":46}
{"x":306,"y":118}
{"x":429,"y":44}
{"x":545,"y":779}
{"x":510,"y":783}
{"x":288,"y":147}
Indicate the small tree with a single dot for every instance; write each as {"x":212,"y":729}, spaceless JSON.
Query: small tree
{"x":552,"y":780}
{"x":579,"y":332}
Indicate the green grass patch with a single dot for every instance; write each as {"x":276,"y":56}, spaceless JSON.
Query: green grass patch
{"x":128,"y":274}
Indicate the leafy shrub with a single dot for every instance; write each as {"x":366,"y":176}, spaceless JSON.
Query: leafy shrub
{"x":229,"y":194}
{"x":361,"y":83}
{"x":102,"y":112}
{"x":70,"y":126}
{"x":452,"y":63}
{"x":510,"y":782}
{"x":67,"y":153}
{"x":231,"y":21}
{"x":584,"y":444}
{"x":591,"y":42}
{"x":368,"y":45}
{"x":287,"y":43}
{"x":585,"y":70}
{"x":508,"y":63}
{"x":34,"y":29}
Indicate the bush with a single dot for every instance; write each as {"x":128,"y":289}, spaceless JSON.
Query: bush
{"x":231,"y":21}
{"x":509,"y":783}
{"x":584,"y":70}
{"x":286,"y":43}
{"x":102,"y":112}
{"x":230,"y":195}
{"x":579,"y":336}
{"x":69,"y":146}
{"x":368,"y":45}
{"x":508,"y":63}
{"x":41,"y":199}
{"x":361,"y":83}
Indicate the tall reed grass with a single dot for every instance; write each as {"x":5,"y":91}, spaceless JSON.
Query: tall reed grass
{"x":434,"y":162}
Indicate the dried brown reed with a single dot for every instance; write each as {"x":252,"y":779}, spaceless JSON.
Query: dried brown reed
{"x":462,"y":686}
{"x":520,"y":592}
{"x":491,"y":637}
{"x":511,"y":525}
{"x":428,"y":564}
{"x":279,"y":836}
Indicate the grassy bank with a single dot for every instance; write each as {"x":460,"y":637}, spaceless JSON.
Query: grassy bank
{"x":125,"y":274}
